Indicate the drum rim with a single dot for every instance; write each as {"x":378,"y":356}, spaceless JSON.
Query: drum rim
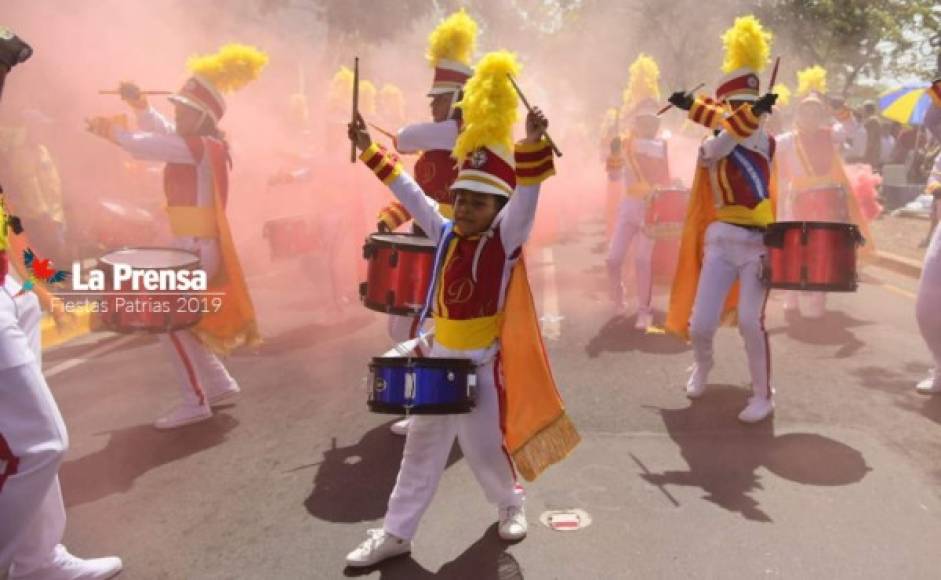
{"x":429,"y":247}
{"x":193,"y":266}
{"x":465,"y":406}
{"x":397,"y":310}
{"x":423,"y":362}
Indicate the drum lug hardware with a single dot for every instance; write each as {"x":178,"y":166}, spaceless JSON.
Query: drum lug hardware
{"x":451,"y":376}
{"x":804,"y":237}
{"x":362,"y":289}
{"x":409,"y":387}
{"x":390,"y":299}
{"x":804,"y":276}
{"x":368,"y":251}
{"x":394,"y":259}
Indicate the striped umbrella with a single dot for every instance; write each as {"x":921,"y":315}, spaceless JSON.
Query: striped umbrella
{"x":907,"y":105}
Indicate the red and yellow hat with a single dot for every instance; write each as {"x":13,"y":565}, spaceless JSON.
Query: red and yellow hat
{"x":747,"y":52}
{"x":231,"y":68}
{"x":450,"y":49}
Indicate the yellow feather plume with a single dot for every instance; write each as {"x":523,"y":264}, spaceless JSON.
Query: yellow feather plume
{"x":811,"y":79}
{"x":341,"y":88}
{"x":231,"y":68}
{"x":367,"y":97}
{"x":746,"y":44}
{"x":489,"y":105}
{"x":644,"y":82}
{"x":454,"y":39}
{"x":784,"y":95}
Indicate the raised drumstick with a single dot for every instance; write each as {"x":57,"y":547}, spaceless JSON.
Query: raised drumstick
{"x":355,"y":104}
{"x":530,"y":109}
{"x":670,"y":106}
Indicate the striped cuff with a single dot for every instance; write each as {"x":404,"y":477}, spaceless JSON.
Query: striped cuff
{"x":742,"y":123}
{"x":935,"y":92}
{"x":534,"y":163}
{"x":384,"y":164}
{"x":706,"y":112}
{"x":394,"y":215}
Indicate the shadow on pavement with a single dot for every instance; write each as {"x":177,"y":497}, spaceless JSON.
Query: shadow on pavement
{"x":832,"y":329}
{"x":724,"y":454}
{"x":353,"y":483}
{"x":486,"y":559}
{"x":619,"y":335}
{"x":308,"y":335}
{"x":132,"y":452}
{"x":901,"y":384}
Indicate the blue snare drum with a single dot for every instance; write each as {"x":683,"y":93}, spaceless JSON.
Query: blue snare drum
{"x":421,"y":386}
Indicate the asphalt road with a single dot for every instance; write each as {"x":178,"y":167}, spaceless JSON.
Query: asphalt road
{"x":842,"y":483}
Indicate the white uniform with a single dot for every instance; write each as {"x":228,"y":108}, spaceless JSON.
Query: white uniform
{"x":629,"y":229}
{"x":732,"y":252}
{"x":33,"y":440}
{"x":430,"y":437}
{"x":929,"y":288}
{"x":198,"y":369}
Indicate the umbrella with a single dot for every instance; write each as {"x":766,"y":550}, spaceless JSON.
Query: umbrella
{"x":907,"y":105}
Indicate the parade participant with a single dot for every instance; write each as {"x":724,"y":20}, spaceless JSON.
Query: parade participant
{"x":646,"y":167}
{"x":33,"y":438}
{"x":929,"y":287}
{"x":450,"y":50}
{"x":814,"y":185}
{"x":196,"y":187}
{"x":483,"y":311}
{"x":731,"y":204}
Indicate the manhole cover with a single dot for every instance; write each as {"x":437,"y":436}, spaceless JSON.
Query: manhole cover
{"x":568,"y":520}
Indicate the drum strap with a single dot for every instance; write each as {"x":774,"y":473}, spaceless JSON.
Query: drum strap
{"x":444,"y":240}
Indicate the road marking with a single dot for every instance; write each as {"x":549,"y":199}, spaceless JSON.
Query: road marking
{"x":551,"y":321}
{"x":900,"y":291}
{"x":74,"y":362}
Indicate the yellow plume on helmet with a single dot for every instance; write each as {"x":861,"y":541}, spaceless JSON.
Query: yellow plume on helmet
{"x":489,"y":105}
{"x":811,"y":79}
{"x":367,"y":97}
{"x":341,"y":92}
{"x":747,"y":45}
{"x":454,"y":39}
{"x":231,"y":67}
{"x":783,"y":93}
{"x":643,"y":83}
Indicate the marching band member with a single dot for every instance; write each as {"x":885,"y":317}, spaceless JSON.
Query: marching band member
{"x":814,"y":182}
{"x":645,"y":167}
{"x":196,"y":186}
{"x":33,"y":438}
{"x":450,"y":49}
{"x":732,"y":202}
{"x":929,"y":287}
{"x":483,"y":311}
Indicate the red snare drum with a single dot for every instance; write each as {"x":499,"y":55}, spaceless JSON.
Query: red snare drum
{"x":666,"y":212}
{"x":289,"y":237}
{"x":820,"y":204}
{"x":817,"y":256}
{"x":398,"y":272}
{"x":126,"y":310}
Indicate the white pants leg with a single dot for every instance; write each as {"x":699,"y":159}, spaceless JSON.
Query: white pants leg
{"x":198,"y":369}
{"x":732,"y":253}
{"x":33,"y":442}
{"x":428,"y":445}
{"x":627,"y":229}
{"x":927,"y":309}
{"x":813,"y":304}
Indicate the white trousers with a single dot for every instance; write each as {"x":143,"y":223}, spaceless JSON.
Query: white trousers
{"x":928,"y":306}
{"x":809,"y":304}
{"x":33,"y":442}
{"x":628,"y":229}
{"x":199,"y":371}
{"x":733,"y":253}
{"x":429,"y":441}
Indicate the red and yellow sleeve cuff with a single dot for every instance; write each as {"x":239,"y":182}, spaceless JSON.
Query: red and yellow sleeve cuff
{"x":706,"y":112}
{"x":384,"y":164}
{"x":534,"y":162}
{"x":394,"y":215}
{"x":742,"y":123}
{"x":935,"y":91}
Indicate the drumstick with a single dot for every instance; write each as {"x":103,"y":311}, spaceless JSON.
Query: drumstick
{"x":381,"y":130}
{"x":355,"y":104}
{"x":670,"y":106}
{"x":117,"y":92}
{"x":774,"y":73}
{"x":530,"y":109}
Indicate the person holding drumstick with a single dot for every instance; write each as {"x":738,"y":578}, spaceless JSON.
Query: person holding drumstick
{"x":196,"y":186}
{"x":731,"y":204}
{"x":646,"y":168}
{"x":478,"y":314}
{"x":450,"y":49}
{"x":33,"y":438}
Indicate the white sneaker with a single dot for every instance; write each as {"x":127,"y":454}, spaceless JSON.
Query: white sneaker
{"x":696,"y":385}
{"x":644,"y":321}
{"x":65,"y":566}
{"x":185,"y":414}
{"x":758,"y":409}
{"x":931,"y":385}
{"x":400,"y":427}
{"x":513,"y":524}
{"x":379,"y":546}
{"x":216,"y":396}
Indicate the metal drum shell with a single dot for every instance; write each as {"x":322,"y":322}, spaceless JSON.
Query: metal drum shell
{"x":398,"y":271}
{"x":665,"y":212}
{"x":813,"y":256}
{"x":442,"y":386}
